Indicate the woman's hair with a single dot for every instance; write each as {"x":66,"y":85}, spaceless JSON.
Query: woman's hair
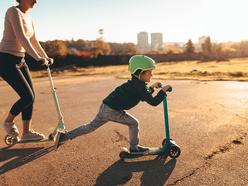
{"x":18,"y":1}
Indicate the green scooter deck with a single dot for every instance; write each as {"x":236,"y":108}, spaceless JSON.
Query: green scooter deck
{"x":153,"y":151}
{"x":40,"y":141}
{"x":9,"y":140}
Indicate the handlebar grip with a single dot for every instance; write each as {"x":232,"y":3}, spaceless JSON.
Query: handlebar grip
{"x":47,"y":63}
{"x":169,"y":89}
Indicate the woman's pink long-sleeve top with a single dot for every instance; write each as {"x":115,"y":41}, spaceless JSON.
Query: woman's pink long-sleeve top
{"x":19,"y":35}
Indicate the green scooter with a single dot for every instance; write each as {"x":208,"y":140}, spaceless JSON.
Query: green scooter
{"x":169,"y":148}
{"x":10,"y":141}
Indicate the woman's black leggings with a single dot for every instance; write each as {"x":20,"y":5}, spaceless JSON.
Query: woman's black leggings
{"x":15,"y":72}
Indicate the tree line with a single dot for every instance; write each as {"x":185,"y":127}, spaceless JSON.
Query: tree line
{"x":89,"y":49}
{"x":92,"y":49}
{"x":97,"y":53}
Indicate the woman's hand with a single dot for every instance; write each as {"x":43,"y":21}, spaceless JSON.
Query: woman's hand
{"x":44,"y":61}
{"x":50,"y":60}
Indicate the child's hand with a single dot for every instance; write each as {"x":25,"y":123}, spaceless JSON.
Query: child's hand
{"x":166,"y":87}
{"x":155,"y":85}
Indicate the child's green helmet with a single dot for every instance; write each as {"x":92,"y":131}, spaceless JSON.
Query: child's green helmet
{"x":141,"y":62}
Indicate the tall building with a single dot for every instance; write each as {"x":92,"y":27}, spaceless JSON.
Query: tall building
{"x":156,"y":41}
{"x":143,"y":44}
{"x":202,"y":40}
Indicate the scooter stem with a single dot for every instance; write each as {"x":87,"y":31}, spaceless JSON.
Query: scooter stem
{"x":61,"y":121}
{"x":167,"y":131}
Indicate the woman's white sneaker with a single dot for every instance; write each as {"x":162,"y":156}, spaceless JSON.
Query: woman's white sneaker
{"x":32,"y":136}
{"x":11,"y":129}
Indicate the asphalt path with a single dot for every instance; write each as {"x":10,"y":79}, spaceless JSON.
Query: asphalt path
{"x":208,"y":120}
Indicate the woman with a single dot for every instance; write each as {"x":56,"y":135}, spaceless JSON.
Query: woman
{"x":18,"y":38}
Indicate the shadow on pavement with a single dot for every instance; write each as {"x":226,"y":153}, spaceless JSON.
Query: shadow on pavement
{"x":155,"y":172}
{"x":19,"y":157}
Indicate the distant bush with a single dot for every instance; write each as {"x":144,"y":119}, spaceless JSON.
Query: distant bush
{"x":236,"y":74}
{"x":228,"y":49}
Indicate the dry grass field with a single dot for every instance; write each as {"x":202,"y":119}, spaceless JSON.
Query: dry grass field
{"x":233,"y":70}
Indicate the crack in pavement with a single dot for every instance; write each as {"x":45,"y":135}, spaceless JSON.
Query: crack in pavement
{"x":227,"y":147}
{"x":222,"y":149}
{"x":121,"y":137}
{"x":187,"y":176}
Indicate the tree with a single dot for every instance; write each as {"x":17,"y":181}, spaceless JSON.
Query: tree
{"x":153,"y":52}
{"x":216,"y":47}
{"x":243,"y":45}
{"x":100,"y":47}
{"x":190,"y":47}
{"x":131,"y":49}
{"x":56,"y":48}
{"x":80,"y":45}
{"x":207,"y":45}
{"x":117,"y":48}
{"x":173,"y":49}
{"x":228,"y":49}
{"x":106,"y":49}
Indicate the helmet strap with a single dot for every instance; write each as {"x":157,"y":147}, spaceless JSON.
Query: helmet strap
{"x":138,"y":75}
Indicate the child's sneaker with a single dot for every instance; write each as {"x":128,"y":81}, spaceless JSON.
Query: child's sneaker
{"x":32,"y":136}
{"x":11,"y":129}
{"x":61,"y":138}
{"x":139,"y":150}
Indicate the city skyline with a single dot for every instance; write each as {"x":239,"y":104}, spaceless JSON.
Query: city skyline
{"x":177,"y":20}
{"x":156,"y":41}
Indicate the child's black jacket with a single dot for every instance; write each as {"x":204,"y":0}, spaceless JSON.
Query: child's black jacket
{"x":129,"y":94}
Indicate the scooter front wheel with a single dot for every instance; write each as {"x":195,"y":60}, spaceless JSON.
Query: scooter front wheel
{"x":164,"y":141}
{"x":174,"y":151}
{"x":51,"y":137}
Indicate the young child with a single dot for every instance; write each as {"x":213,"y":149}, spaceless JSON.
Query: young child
{"x":123,"y":98}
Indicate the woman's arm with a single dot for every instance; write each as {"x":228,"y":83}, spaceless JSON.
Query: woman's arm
{"x":16,"y":21}
{"x":35,"y":43}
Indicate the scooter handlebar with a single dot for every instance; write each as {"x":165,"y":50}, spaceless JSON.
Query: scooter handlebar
{"x":169,"y":89}
{"x":47,"y":64}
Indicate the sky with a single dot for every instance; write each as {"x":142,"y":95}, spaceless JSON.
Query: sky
{"x":122,"y":20}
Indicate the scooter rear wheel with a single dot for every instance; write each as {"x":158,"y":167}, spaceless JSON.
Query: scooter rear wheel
{"x":122,"y":153}
{"x":9,"y":140}
{"x":174,"y":151}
